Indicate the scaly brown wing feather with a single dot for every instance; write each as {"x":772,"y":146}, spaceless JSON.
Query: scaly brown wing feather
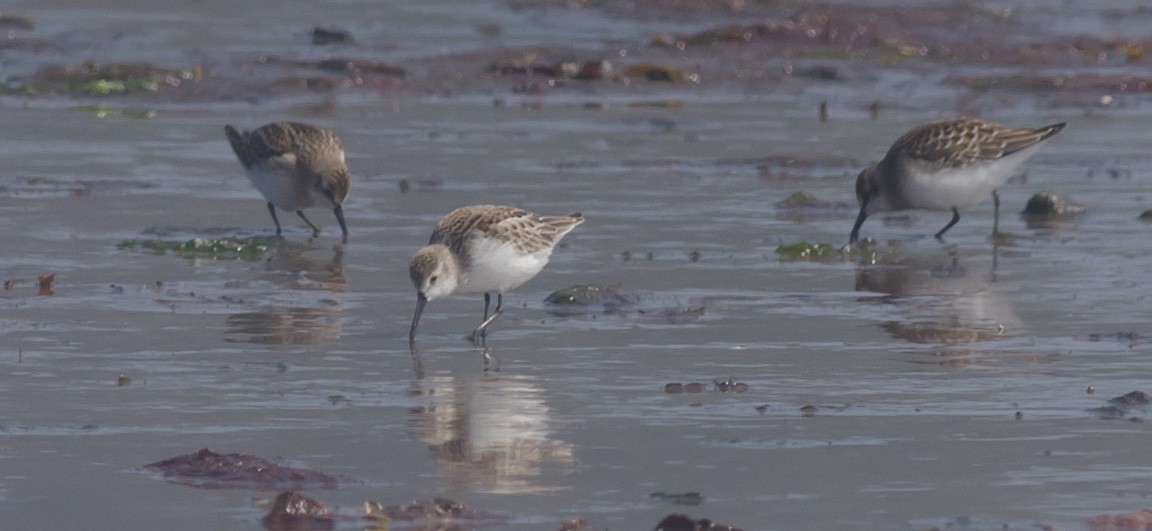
{"x":960,"y":142}
{"x":527,"y":231}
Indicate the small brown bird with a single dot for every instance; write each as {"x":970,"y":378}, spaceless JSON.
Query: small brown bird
{"x":295,"y":166}
{"x":484,"y":249}
{"x":946,"y":165}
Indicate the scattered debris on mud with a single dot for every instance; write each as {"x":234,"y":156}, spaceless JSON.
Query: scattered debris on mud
{"x":1139,"y":520}
{"x":674,"y":388}
{"x":44,"y":285}
{"x":297,"y":512}
{"x":683,"y":522}
{"x":727,"y":385}
{"x":1132,"y":338}
{"x":210,"y":470}
{"x":437,"y":513}
{"x":1125,"y":407}
{"x":828,"y":253}
{"x":798,"y":42}
{"x":294,"y":511}
{"x":327,"y":36}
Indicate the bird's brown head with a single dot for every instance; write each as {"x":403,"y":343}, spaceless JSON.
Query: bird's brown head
{"x":434,"y":271}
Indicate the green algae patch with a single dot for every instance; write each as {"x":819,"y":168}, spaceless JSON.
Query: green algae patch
{"x":117,"y":86}
{"x":16,"y":89}
{"x":246,"y":249}
{"x":106,"y":79}
{"x":824,"y":252}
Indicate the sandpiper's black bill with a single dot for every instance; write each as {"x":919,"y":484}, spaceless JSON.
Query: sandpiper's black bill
{"x":421,"y":300}
{"x":339,"y":210}
{"x":855,"y":235}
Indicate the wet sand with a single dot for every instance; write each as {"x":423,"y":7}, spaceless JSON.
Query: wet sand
{"x":948,"y":383}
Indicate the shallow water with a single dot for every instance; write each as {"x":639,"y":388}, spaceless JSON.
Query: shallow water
{"x":950,"y":382}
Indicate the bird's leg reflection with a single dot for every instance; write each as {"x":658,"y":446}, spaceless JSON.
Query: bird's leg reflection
{"x":490,"y":360}
{"x":417,"y":363}
{"x":995,"y":257}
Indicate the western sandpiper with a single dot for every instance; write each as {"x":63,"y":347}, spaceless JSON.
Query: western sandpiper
{"x":295,"y":166}
{"x":946,"y":165}
{"x":484,"y":249}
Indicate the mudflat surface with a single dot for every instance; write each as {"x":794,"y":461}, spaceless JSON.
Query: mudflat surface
{"x":927,"y":385}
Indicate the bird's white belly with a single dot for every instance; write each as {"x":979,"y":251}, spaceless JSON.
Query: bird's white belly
{"x":500,"y":267}
{"x":960,"y":187}
{"x":949,"y":189}
{"x":278,"y":181}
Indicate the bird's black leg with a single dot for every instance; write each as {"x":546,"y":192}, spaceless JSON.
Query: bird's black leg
{"x":315,"y":231}
{"x":481,"y":332}
{"x":995,"y":213}
{"x":272,"y":210}
{"x":955,"y":218}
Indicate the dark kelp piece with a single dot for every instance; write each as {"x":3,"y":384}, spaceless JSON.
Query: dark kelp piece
{"x":210,"y":470}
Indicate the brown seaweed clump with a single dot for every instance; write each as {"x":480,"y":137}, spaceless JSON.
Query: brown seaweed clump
{"x":1141,"y":519}
{"x":435,"y":512}
{"x":683,"y":522}
{"x":210,"y":470}
{"x":292,"y":510}
{"x":1050,"y":205}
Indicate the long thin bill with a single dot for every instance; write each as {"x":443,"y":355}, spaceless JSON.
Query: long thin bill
{"x":421,"y":300}
{"x":339,"y":211}
{"x":855,"y":235}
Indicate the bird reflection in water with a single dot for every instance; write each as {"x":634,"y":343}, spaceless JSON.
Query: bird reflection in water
{"x":489,"y":433}
{"x":310,"y":322}
{"x":939,"y":301}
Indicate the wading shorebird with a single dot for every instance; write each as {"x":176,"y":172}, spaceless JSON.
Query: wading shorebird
{"x":295,"y":166}
{"x":946,"y":165}
{"x":484,"y":249}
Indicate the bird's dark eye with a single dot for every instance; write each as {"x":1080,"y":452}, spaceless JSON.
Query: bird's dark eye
{"x":432,"y":280}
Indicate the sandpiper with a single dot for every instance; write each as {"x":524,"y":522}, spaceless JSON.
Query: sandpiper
{"x":946,"y":165}
{"x":295,"y":166}
{"x":484,"y":249}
